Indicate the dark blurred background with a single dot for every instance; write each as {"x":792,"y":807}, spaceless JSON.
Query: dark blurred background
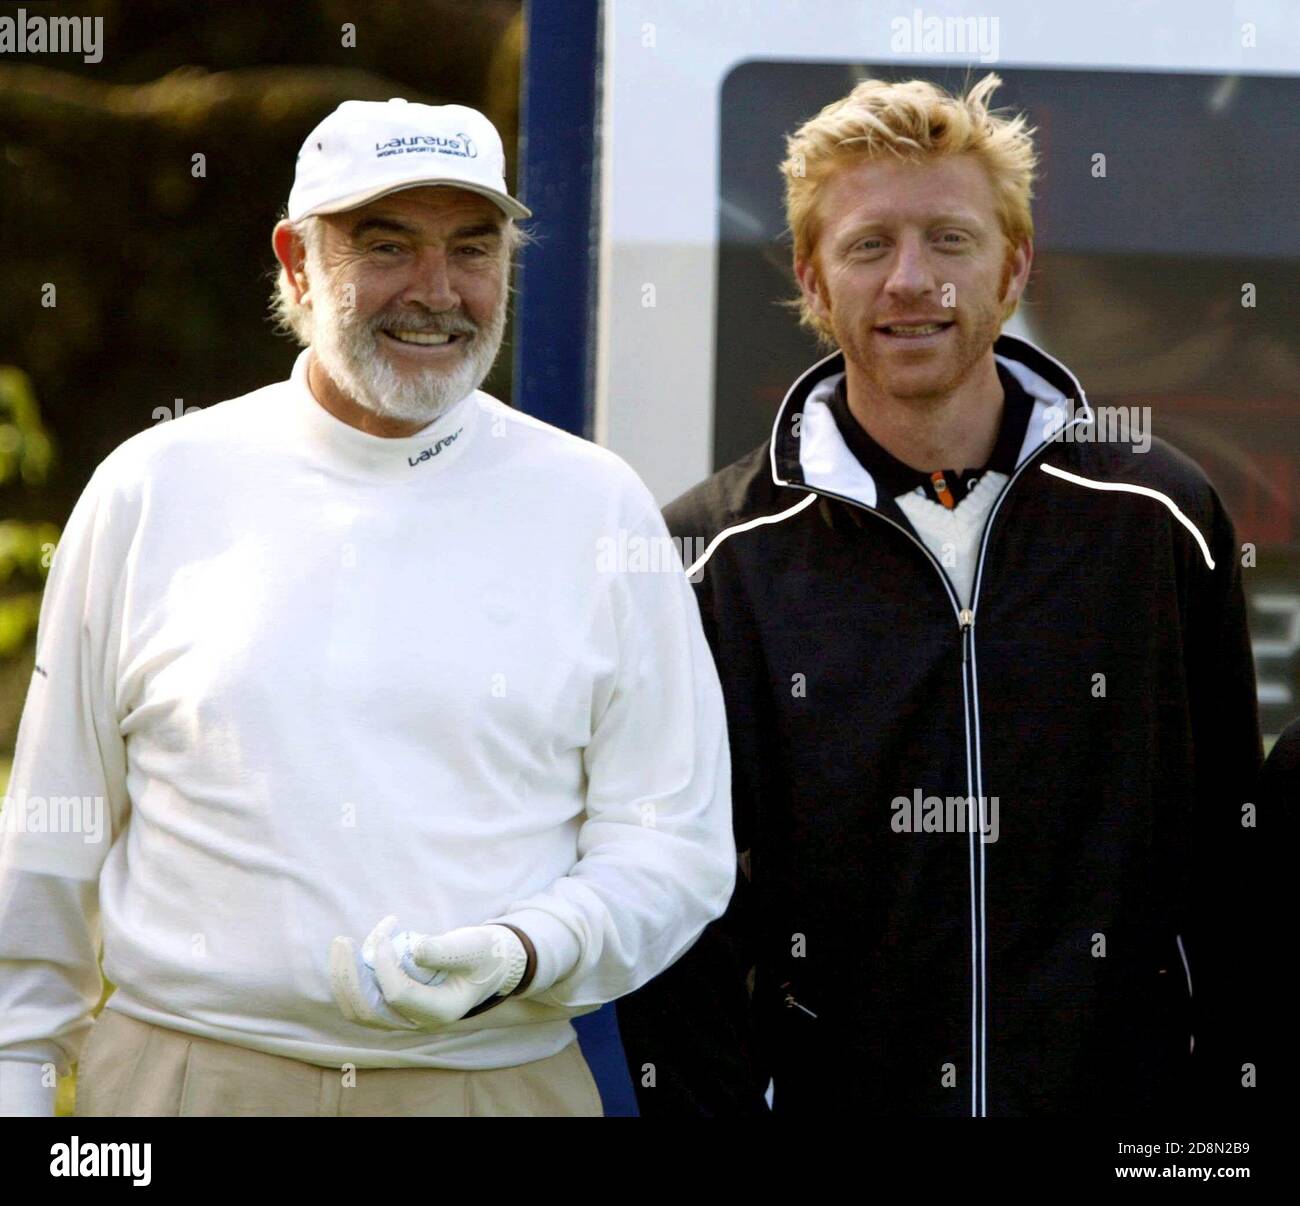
{"x":161,"y":277}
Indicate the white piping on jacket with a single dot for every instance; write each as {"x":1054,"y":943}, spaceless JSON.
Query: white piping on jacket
{"x":703,"y":558}
{"x":1129,"y":488}
{"x":1186,"y":969}
{"x":1191,"y":1049}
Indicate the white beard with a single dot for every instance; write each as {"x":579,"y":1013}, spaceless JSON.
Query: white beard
{"x":347,"y":347}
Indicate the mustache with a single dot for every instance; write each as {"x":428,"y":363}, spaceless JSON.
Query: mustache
{"x":428,"y":324}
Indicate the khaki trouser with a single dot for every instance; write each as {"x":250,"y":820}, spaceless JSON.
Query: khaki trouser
{"x":131,"y":1068}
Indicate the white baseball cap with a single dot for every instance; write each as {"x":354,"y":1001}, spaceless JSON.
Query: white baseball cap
{"x":367,"y":149}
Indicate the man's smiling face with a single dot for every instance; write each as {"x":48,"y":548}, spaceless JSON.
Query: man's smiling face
{"x":408,"y":298}
{"x":893,"y":234}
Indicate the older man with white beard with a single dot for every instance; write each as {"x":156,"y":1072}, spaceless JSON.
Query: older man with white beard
{"x":343,"y":649}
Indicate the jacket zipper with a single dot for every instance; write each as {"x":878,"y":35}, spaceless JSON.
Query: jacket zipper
{"x":791,"y":1003}
{"x":974,"y":763}
{"x":979,"y":934}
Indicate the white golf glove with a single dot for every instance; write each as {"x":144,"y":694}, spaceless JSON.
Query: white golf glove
{"x":439,"y":980}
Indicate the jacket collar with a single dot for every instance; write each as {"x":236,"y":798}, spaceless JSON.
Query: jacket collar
{"x":807,"y":449}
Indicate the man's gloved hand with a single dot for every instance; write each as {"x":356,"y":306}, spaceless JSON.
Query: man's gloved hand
{"x":482,"y":964}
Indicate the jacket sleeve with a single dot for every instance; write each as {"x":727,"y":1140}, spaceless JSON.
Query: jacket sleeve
{"x":1234,"y":884}
{"x":689,"y":1035}
{"x":65,"y":801}
{"x":656,"y":859}
{"x":1278,"y":797}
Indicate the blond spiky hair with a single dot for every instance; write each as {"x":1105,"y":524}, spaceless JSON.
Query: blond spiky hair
{"x":913,"y":120}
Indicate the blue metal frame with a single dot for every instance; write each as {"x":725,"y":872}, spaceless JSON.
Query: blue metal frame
{"x":555,"y":329}
{"x":554,"y":319}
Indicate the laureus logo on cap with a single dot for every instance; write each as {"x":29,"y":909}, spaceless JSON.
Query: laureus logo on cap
{"x":462,"y":145}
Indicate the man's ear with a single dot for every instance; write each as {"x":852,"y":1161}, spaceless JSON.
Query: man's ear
{"x":292,"y":254}
{"x":810,"y":286}
{"x":1020,"y":259}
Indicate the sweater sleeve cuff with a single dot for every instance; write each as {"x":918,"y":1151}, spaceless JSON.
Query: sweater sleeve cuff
{"x":557,"y":947}
{"x":21,"y":1092}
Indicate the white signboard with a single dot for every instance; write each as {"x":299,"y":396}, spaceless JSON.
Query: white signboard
{"x":665,"y":69}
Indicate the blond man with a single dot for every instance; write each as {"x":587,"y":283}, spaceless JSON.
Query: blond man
{"x":989,"y":689}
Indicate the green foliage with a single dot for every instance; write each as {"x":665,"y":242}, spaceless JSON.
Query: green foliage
{"x":26,"y":450}
{"x":25,"y":552}
{"x":26,"y":547}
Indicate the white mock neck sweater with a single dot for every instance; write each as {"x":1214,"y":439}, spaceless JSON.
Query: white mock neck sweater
{"x":318,"y":676}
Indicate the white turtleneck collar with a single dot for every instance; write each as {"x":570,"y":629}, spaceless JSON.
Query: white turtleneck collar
{"x":415,"y":457}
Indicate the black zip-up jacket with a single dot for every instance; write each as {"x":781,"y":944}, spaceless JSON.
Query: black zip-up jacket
{"x":1100,"y":956}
